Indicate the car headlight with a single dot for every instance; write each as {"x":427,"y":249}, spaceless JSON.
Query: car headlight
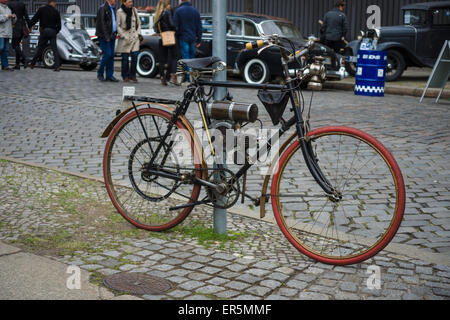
{"x":361,"y":35}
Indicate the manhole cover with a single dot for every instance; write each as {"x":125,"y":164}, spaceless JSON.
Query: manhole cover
{"x":137,"y":283}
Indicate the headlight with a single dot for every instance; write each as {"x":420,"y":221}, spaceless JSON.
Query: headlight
{"x":361,"y":35}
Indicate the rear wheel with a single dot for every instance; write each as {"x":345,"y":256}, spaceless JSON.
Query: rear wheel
{"x":48,"y":58}
{"x":141,"y":197}
{"x":368,"y":206}
{"x":395,"y":65}
{"x":256,"y":71}
{"x":146,"y":64}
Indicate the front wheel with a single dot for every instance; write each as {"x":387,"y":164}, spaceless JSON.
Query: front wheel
{"x":146,"y":64}
{"x":369,"y":201}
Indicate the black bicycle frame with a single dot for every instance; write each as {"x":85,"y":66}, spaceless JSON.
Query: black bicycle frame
{"x":296,"y":120}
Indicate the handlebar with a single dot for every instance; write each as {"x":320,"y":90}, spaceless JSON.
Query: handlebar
{"x":274,"y":41}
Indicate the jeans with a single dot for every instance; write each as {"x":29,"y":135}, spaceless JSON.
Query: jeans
{"x":107,"y":61}
{"x":187,"y":51}
{"x":4,"y":48}
{"x":127,"y":70}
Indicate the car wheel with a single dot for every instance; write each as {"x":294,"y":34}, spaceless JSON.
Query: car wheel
{"x":350,"y":67}
{"x":146,"y":64}
{"x":88,"y":67}
{"x":256,"y":72}
{"x":48,"y":58}
{"x":395,"y":65}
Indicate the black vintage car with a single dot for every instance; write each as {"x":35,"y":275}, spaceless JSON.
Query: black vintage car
{"x":243,"y":28}
{"x":416,"y":43}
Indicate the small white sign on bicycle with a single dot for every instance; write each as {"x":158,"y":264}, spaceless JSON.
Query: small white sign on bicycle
{"x":128,"y":91}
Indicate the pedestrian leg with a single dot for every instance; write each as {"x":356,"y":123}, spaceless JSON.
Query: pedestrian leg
{"x":110,"y":60}
{"x":125,"y":70}
{"x":133,"y":66}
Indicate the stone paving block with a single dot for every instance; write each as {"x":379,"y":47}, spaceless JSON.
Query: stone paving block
{"x":258,"y":290}
{"x":237,"y":285}
{"x":191,"y":285}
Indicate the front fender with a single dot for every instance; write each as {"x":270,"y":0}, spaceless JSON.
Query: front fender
{"x":351,"y":49}
{"x":407,"y":53}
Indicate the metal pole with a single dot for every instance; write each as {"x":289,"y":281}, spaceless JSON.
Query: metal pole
{"x":219,"y":8}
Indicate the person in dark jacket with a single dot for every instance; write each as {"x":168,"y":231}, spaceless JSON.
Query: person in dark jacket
{"x":335,"y":27}
{"x":106,"y":31}
{"x":49,"y":27}
{"x":189,"y":29}
{"x":23,"y":23}
{"x":168,"y":55}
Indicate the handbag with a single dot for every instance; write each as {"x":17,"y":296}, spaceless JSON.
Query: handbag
{"x":168,"y":38}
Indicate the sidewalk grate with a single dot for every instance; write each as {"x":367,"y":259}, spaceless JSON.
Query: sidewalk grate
{"x":137,"y":283}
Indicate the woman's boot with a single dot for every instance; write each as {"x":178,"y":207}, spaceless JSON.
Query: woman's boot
{"x":173,"y":79}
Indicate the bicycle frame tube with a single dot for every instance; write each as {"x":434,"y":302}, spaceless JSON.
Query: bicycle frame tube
{"x":308,"y":156}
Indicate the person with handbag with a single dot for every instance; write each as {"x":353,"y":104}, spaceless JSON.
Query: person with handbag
{"x":129,"y":31}
{"x":167,"y":44}
{"x":21,"y":30}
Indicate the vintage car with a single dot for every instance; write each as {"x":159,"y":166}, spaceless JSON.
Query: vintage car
{"x":74,"y":47}
{"x":243,"y":28}
{"x":416,"y":43}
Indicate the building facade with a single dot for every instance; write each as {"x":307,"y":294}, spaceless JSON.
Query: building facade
{"x":303,"y":13}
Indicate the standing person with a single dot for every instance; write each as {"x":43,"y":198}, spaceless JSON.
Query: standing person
{"x":49,"y":26}
{"x":106,"y":31}
{"x":189,"y":29}
{"x":168,"y":55}
{"x":22,"y":25}
{"x":129,"y":31}
{"x":7,"y":18}
{"x":335,"y":27}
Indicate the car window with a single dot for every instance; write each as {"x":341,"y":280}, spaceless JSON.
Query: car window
{"x":91,"y":22}
{"x":441,"y":17}
{"x":207,"y":25}
{"x":415,"y":17}
{"x":284,"y":29}
{"x":250,"y":29}
{"x":234,"y":27}
{"x":145,"y":22}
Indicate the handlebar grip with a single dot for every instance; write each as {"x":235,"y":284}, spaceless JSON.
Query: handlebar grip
{"x":255,"y":44}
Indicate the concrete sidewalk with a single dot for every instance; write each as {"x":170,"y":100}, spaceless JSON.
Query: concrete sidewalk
{"x":26,"y":276}
{"x":411,"y":83}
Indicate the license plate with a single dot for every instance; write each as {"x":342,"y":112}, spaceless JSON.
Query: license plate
{"x":352,"y":59}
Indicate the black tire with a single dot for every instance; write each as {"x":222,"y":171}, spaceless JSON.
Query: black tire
{"x":350,"y":67}
{"x":88,"y":67}
{"x":48,"y":59}
{"x":395,"y":65}
{"x":147,"y":64}
{"x":256,"y":71}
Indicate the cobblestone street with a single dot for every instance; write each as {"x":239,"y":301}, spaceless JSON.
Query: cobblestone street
{"x":56,"y":119}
